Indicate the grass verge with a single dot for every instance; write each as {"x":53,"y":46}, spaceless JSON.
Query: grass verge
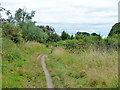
{"x":90,"y":69}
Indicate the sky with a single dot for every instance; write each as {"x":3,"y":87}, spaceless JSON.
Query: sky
{"x":70,"y":15}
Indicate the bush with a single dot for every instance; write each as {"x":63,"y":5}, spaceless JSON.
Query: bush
{"x":111,"y":42}
{"x":115,"y":30}
{"x":33,"y":33}
{"x":54,"y":37}
{"x":12,"y":32}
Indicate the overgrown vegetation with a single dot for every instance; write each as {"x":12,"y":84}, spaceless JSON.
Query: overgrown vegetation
{"x":88,"y":69}
{"x":20,"y":67}
{"x":12,"y":32}
{"x":80,"y":61}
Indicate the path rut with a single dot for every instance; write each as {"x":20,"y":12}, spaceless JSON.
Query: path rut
{"x":47,"y":75}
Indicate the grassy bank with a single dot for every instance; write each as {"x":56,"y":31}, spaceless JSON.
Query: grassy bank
{"x":20,"y":67}
{"x":85,"y":70}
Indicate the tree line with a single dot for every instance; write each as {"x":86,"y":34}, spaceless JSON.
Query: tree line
{"x":19,"y":27}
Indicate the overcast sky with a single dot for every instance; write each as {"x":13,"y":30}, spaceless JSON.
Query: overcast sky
{"x":70,"y":15}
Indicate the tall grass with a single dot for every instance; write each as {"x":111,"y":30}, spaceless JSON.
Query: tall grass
{"x":85,"y":70}
{"x":20,"y":67}
{"x":89,"y":69}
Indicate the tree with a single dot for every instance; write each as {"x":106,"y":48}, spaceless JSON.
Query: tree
{"x":94,"y":34}
{"x":83,"y":33}
{"x":72,"y":37}
{"x":78,"y":33}
{"x":8,"y":13}
{"x":48,"y":29}
{"x":22,"y":16}
{"x":65,"y":35}
{"x":52,"y":36}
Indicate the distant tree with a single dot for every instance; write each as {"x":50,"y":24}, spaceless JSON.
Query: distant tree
{"x":72,"y":37}
{"x":94,"y":34}
{"x":48,"y":29}
{"x":65,"y":35}
{"x":54,"y":37}
{"x":83,"y":33}
{"x":78,"y":33}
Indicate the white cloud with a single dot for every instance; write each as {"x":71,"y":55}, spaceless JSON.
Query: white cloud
{"x":69,"y":11}
{"x":82,"y":31}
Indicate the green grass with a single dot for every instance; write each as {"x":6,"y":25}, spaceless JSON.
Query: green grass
{"x":20,"y":67}
{"x":90,"y":69}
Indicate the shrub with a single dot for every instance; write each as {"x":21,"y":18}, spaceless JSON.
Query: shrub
{"x":53,"y":37}
{"x":115,"y":30}
{"x":65,"y":35}
{"x":33,"y":33}
{"x":12,"y":32}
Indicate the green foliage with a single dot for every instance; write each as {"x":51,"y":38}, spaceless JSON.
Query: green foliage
{"x":65,"y":35}
{"x":12,"y":32}
{"x":81,"y":43}
{"x":10,"y":52}
{"x":19,"y":61}
{"x":72,"y":37}
{"x":115,"y":30}
{"x":83,"y":33}
{"x":49,"y":30}
{"x":87,"y":49}
{"x":111,"y":42}
{"x":79,"y":36}
{"x":33,"y":33}
{"x":22,"y":16}
{"x":54,"y":37}
{"x":29,"y":30}
{"x":94,"y":34}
